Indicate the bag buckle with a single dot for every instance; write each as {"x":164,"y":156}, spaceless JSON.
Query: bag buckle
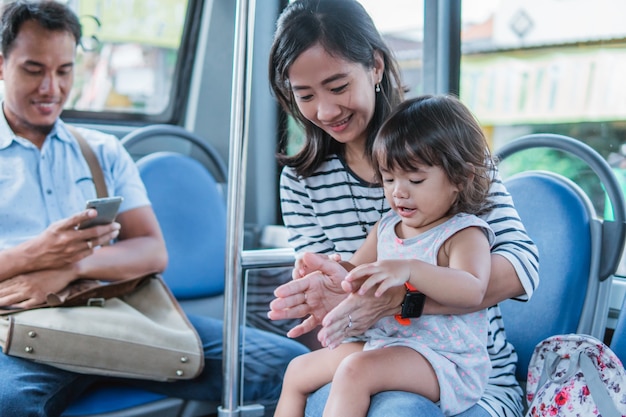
{"x":96,"y":302}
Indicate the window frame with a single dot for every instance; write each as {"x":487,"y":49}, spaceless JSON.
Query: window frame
{"x":175,"y":110}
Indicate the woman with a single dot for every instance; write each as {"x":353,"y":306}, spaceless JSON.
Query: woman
{"x":433,"y":161}
{"x":331,"y":71}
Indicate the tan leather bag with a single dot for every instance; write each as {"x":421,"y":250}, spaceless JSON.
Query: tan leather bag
{"x":143,"y":334}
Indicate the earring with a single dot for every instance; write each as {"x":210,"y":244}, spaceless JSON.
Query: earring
{"x":377,"y":88}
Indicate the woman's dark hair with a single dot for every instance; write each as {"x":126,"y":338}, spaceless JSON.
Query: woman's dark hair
{"x":344,"y":29}
{"x":49,"y":14}
{"x":438,"y":131}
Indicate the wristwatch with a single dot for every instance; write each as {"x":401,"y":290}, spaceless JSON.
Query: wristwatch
{"x":413,"y":304}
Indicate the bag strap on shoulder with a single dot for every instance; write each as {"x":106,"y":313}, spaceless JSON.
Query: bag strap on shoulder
{"x":92,"y":161}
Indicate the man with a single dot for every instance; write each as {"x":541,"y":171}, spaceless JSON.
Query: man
{"x":44,"y":183}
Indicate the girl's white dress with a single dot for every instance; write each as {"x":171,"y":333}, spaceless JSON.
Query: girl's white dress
{"x":455,"y":345}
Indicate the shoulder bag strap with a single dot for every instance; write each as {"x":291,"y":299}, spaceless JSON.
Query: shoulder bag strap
{"x":92,"y":161}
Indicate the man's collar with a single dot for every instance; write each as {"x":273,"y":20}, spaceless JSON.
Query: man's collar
{"x":7,"y":136}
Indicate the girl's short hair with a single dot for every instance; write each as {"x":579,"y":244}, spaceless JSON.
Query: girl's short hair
{"x":439,"y":131}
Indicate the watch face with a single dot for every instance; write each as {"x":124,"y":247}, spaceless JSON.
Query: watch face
{"x":413,"y":304}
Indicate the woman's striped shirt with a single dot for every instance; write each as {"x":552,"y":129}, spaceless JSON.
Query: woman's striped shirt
{"x":324,"y":213}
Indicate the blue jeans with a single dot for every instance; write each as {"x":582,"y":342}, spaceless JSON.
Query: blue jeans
{"x":390,"y":403}
{"x":29,"y":389}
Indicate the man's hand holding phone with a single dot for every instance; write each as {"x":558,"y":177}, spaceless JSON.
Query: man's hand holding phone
{"x":69,"y":240}
{"x":107,"y":210}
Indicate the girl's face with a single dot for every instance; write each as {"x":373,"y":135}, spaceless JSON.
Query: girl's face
{"x":335,"y":94}
{"x":421,"y":197}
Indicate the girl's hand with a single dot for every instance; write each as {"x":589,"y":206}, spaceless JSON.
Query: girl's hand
{"x":311,"y":262}
{"x":380,"y":275}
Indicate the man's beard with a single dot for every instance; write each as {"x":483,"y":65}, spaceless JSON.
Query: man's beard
{"x":43,"y":129}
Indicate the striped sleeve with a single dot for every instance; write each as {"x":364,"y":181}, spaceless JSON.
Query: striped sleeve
{"x":512,"y":241}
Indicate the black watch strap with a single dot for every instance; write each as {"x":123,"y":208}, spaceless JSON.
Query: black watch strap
{"x":413,"y":304}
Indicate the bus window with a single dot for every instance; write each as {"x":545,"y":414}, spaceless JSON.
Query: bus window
{"x":401,"y":24}
{"x":129,"y":60}
{"x":522,"y":74}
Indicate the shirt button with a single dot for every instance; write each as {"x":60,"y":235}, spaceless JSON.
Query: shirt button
{"x":49,"y":192}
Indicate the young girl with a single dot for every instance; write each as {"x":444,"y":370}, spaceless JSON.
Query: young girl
{"x":432,"y":159}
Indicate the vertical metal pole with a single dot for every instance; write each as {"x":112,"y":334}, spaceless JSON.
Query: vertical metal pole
{"x":442,"y":46}
{"x":236,"y":207}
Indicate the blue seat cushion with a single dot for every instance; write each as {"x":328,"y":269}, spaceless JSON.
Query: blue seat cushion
{"x":101,"y":399}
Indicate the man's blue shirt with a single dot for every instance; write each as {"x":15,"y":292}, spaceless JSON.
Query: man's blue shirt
{"x":41,"y":186}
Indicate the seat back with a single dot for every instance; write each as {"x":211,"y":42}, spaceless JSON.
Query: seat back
{"x":577,"y":250}
{"x":190,"y":207}
{"x":558,"y":217}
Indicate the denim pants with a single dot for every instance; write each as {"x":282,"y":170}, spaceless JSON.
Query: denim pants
{"x":29,"y":389}
{"x":390,"y":404}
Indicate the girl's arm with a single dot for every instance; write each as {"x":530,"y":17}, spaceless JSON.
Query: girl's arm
{"x":514,"y":256}
{"x":503,"y":284}
{"x":461,"y":281}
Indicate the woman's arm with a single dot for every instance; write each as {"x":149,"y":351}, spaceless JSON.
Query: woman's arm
{"x":317,"y":286}
{"x":313,"y":295}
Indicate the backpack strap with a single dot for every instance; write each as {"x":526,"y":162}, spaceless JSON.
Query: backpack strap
{"x":580,"y":361}
{"x":598,"y":390}
{"x":92,"y":161}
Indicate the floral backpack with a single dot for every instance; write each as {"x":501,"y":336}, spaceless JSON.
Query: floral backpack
{"x":575,"y":375}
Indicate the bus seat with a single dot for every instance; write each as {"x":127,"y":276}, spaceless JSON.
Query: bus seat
{"x":191,"y":210}
{"x":161,"y":137}
{"x":186,"y":181}
{"x":189,"y":203}
{"x":578,"y":251}
{"x":554,"y":211}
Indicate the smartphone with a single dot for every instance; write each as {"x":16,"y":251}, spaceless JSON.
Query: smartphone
{"x":106,"y":208}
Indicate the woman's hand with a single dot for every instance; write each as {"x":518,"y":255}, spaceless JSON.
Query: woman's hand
{"x":357,"y":313}
{"x":312,"y":295}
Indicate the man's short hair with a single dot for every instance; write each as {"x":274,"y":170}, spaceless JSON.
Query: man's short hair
{"x":49,"y":14}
